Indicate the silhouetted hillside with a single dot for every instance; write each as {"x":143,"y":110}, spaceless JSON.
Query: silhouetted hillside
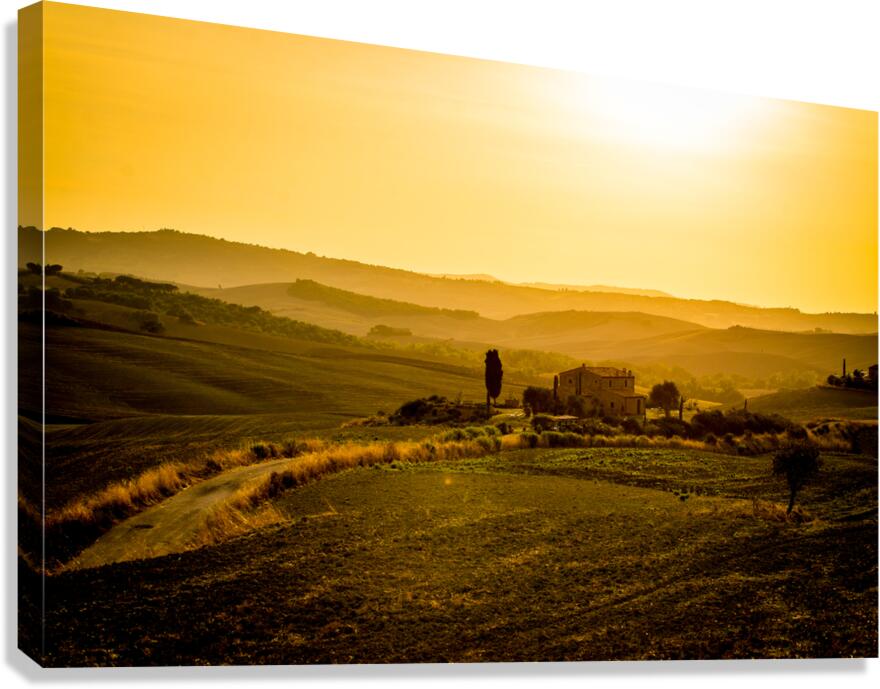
{"x":201,"y":260}
{"x":585,"y":335}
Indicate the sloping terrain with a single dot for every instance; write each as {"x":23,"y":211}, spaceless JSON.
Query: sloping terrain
{"x":536,"y":556}
{"x":584,"y":335}
{"x":818,"y":402}
{"x":200,"y":260}
{"x":357,"y":314}
{"x":119,"y":402}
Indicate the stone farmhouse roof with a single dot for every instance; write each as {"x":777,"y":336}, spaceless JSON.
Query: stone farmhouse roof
{"x":601,"y":371}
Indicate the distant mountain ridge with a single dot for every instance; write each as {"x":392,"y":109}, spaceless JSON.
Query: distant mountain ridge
{"x":554,"y":286}
{"x":201,"y":260}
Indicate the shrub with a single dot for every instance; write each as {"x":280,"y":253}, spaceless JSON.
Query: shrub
{"x":148,"y":322}
{"x":289,"y":448}
{"x":553,"y":438}
{"x":472,"y":432}
{"x":504,"y":428}
{"x":182,"y":314}
{"x":538,"y":399}
{"x":708,"y":422}
{"x":573,"y":440}
{"x":530,"y":439}
{"x":456,"y":434}
{"x":542,"y":422}
{"x":578,"y":406}
{"x":596,"y":427}
{"x":264,"y":450}
{"x":737,"y":422}
{"x":632,"y":426}
{"x":490,"y":444}
{"x":669,"y":427}
{"x":413,"y":409}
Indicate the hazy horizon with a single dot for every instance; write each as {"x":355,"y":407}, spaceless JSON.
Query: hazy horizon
{"x":448,"y":274}
{"x":455,"y":165}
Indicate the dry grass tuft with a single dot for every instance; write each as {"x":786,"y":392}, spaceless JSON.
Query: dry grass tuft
{"x":124,"y":498}
{"x":754,"y":509}
{"x":774,"y":512}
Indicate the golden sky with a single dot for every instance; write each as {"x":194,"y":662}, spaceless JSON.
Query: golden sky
{"x":444,"y":164}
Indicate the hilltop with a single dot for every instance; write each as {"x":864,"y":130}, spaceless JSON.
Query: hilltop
{"x":208,"y":262}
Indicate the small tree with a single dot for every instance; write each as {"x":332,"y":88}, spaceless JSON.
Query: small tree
{"x":538,"y":399}
{"x":664,"y":395}
{"x":542,"y":422}
{"x":578,"y":406}
{"x":798,"y":462}
{"x":494,"y":374}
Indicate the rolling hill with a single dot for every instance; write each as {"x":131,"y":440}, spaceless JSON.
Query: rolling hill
{"x":818,"y":402}
{"x":205,"y":261}
{"x":120,"y":402}
{"x":590,"y":336}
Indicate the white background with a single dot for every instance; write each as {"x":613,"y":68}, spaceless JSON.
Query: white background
{"x":824,"y":52}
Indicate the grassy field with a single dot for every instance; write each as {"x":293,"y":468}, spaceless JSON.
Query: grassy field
{"x":817,"y":403}
{"x":540,"y":554}
{"x":122,"y":402}
{"x":528,"y":555}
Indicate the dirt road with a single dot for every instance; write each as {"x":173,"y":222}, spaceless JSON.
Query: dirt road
{"x":167,"y":527}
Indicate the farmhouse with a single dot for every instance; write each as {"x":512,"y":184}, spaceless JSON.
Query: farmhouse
{"x":611,"y":391}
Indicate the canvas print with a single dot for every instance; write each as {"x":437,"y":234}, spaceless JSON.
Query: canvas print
{"x":339,"y":353}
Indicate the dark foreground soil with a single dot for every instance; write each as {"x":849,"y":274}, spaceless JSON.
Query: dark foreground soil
{"x":538,"y":555}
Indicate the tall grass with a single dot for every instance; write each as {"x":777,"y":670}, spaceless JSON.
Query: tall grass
{"x":124,"y":498}
{"x":81,"y":521}
{"x":120,"y":500}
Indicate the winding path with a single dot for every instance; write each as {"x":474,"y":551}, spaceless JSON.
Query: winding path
{"x":168,"y":526}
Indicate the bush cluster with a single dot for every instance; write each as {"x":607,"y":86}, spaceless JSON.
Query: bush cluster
{"x":487,"y":437}
{"x":436,"y":410}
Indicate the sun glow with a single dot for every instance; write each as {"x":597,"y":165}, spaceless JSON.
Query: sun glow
{"x":659,"y":116}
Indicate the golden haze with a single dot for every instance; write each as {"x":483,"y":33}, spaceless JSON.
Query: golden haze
{"x":446,"y":164}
